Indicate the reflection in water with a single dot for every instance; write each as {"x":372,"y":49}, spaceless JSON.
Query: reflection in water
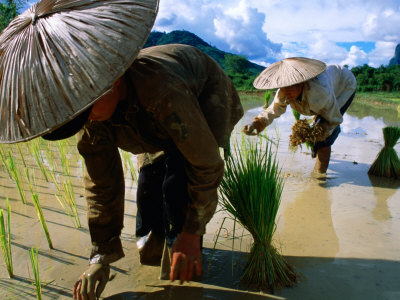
{"x":308,"y":228}
{"x":383,"y":188}
{"x":388,"y":114}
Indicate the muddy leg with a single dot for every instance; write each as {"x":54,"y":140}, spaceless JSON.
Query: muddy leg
{"x":322,"y":161}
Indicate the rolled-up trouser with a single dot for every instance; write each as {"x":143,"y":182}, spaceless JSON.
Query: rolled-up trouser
{"x":332,"y":138}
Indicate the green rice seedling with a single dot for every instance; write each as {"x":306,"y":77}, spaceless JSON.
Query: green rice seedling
{"x":37,"y":154}
{"x":63,"y":150}
{"x":267,"y":97}
{"x":250,"y":193}
{"x":3,"y":158}
{"x":42,"y":220}
{"x":34,"y":258}
{"x":128,"y":164}
{"x":30,"y":178}
{"x":387,"y":163}
{"x":52,"y":167}
{"x":14,"y":170}
{"x":22,"y":156}
{"x":68,"y":202}
{"x":5,"y":239}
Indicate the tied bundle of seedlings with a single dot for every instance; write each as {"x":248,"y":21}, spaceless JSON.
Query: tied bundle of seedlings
{"x":387,"y":163}
{"x":250,"y":192}
{"x":303,"y":132}
{"x":297,"y":116}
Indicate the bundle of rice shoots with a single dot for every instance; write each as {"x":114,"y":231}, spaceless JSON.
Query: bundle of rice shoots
{"x":387,"y":163}
{"x":250,"y":191}
{"x":303,"y":132}
{"x":297,"y":116}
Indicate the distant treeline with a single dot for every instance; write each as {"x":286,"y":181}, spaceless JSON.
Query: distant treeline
{"x":371,"y":79}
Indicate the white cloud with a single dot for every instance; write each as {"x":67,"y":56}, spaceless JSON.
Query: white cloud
{"x":355,"y":57}
{"x":266,"y":31}
{"x":238,"y":28}
{"x":382,"y":53}
{"x":232,"y":26}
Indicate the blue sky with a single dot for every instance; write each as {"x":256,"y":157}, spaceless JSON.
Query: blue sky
{"x":352,"y":32}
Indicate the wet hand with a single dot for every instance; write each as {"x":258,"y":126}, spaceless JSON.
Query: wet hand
{"x":258,"y":125}
{"x":249,"y":129}
{"x":85,"y":287}
{"x":186,"y":257}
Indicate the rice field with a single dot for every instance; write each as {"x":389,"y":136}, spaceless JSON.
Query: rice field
{"x":42,"y":192}
{"x":341,"y":235}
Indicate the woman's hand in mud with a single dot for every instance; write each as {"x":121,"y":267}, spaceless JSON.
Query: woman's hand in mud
{"x":186,"y":257}
{"x":85,"y":287}
{"x":256,"y":127}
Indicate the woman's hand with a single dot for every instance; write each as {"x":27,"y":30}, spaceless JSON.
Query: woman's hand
{"x":85,"y":287}
{"x":186,"y":257}
{"x":258,"y":125}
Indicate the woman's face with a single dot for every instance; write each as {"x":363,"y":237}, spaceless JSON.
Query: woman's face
{"x":292,"y":92}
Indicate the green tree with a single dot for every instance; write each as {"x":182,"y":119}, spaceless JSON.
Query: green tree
{"x":236,"y":64}
{"x":8,"y":11}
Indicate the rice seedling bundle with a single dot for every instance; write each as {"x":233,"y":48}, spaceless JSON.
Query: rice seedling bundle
{"x":250,"y":192}
{"x":297,"y":116}
{"x":387,"y":162}
{"x":5,"y":240}
{"x":303,"y":132}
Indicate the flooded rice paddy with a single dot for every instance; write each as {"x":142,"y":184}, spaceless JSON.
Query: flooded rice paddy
{"x":341,"y":232}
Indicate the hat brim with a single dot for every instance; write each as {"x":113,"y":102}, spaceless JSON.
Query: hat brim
{"x":58,"y":57}
{"x":289,"y":71}
{"x":70,"y":128}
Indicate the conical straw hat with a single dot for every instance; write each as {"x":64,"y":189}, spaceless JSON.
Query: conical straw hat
{"x":58,"y":57}
{"x":288,"y":72}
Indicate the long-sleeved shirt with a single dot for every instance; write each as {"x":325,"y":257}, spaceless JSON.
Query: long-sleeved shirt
{"x":179,"y":99}
{"x":323,"y":95}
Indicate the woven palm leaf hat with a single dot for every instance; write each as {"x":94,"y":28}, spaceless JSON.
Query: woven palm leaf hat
{"x":289,"y":71}
{"x":60,"y":56}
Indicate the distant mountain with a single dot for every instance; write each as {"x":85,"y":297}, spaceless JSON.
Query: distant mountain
{"x":241,"y":70}
{"x":396,"y":59}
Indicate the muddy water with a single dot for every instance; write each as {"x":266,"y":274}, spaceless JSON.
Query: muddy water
{"x":341,"y":232}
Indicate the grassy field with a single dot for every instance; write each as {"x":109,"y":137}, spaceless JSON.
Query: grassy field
{"x":390,"y":98}
{"x":378,"y":98}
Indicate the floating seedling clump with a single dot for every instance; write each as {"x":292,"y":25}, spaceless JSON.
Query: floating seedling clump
{"x":387,"y":162}
{"x":251,"y":190}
